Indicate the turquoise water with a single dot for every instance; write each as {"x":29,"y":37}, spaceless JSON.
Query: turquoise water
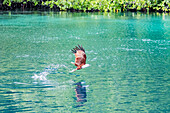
{"x":128,"y":54}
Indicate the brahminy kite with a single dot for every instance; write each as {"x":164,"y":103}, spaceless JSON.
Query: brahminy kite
{"x":80,"y":60}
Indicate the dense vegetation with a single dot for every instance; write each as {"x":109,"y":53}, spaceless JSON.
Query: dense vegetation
{"x":88,"y":5}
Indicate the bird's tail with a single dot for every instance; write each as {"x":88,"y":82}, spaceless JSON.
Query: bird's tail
{"x":74,"y":50}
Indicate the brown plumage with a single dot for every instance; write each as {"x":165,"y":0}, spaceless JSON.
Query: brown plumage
{"x":80,"y":55}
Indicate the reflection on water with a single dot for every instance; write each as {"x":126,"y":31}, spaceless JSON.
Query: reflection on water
{"x":80,"y":93}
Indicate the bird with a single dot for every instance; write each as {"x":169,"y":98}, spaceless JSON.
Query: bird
{"x":80,"y":60}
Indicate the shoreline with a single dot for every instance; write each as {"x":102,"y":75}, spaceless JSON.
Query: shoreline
{"x":109,"y":7}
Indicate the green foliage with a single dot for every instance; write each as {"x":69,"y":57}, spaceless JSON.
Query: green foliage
{"x":100,"y":5}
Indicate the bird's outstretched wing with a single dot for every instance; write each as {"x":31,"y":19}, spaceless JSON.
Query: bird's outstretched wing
{"x":74,"y":50}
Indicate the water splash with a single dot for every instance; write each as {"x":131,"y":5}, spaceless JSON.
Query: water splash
{"x":41,"y":76}
{"x":49,"y":69}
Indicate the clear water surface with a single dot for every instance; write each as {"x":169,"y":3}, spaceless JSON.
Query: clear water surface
{"x":128,"y":54}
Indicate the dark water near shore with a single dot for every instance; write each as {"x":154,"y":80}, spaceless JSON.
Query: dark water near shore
{"x":128,"y":54}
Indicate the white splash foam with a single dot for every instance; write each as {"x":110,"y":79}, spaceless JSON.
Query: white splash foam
{"x":42,"y":76}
